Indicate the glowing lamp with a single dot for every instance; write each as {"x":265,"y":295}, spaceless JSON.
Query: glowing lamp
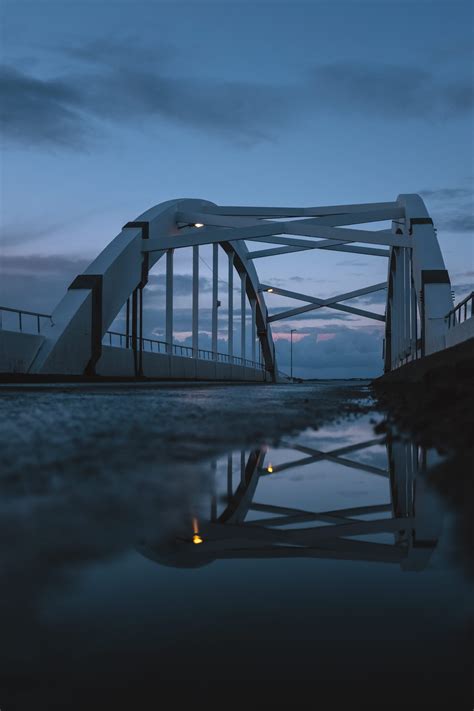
{"x":269,"y":291}
{"x":197,"y":539}
{"x":270,"y":469}
{"x":198,"y":224}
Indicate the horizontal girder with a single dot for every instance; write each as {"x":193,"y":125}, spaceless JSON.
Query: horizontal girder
{"x":349,"y":218}
{"x":307,"y":228}
{"x":300,"y":211}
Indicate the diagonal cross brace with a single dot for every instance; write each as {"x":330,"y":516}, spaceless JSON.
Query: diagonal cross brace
{"x":300,"y":247}
{"x":335,"y":456}
{"x":333,"y":302}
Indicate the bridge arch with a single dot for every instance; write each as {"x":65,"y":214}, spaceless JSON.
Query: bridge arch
{"x":119,"y":274}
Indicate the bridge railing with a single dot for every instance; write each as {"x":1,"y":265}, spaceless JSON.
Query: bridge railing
{"x":21,"y":320}
{"x":34,"y":322}
{"x":151,"y":345}
{"x":460,"y":312}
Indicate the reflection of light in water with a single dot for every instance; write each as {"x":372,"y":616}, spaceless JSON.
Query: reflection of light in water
{"x":196,"y":538}
{"x":269,"y":469}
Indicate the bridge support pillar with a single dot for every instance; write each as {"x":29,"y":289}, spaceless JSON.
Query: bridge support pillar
{"x":169,"y":301}
{"x":230,"y":306}
{"x":215,"y":303}
{"x":195,"y":305}
{"x":243,"y":285}
{"x":230,"y":487}
{"x":253,"y":306}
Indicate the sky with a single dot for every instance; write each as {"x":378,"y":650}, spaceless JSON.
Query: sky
{"x":111,"y":107}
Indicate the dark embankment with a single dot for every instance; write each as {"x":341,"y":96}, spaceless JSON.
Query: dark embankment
{"x":438,"y":413}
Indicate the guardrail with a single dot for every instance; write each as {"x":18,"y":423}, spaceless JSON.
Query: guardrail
{"x":32,"y":321}
{"x":460,"y":312}
{"x":151,"y":345}
{"x":28,"y":321}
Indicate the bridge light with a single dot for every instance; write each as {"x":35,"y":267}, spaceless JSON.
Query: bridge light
{"x":198,"y":224}
{"x":196,"y":538}
{"x":270,"y":469}
{"x":269,"y":290}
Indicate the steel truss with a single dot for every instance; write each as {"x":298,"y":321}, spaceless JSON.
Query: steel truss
{"x":418,"y":287}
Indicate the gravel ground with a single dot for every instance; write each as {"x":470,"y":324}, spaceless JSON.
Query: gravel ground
{"x":93,"y":429}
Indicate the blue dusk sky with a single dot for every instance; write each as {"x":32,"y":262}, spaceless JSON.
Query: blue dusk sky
{"x":109,"y":107}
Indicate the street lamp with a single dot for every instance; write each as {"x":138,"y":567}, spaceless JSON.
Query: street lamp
{"x":291,"y":352}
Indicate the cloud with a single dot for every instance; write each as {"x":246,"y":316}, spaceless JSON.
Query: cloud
{"x":107,"y":51}
{"x":182,"y":284}
{"x":463,"y":289}
{"x":443,"y":194}
{"x":323,"y":314}
{"x":461,"y":53}
{"x":469,"y":273}
{"x":457,"y":222}
{"x":347,"y":352}
{"x":64,"y":112}
{"x":39,"y":111}
{"x":375,"y":297}
{"x":37,"y":282}
{"x":452,"y":208}
{"x":352,"y":263}
{"x":22,"y":231}
{"x":48,"y":277}
{"x":390,"y":91}
{"x":137,"y":87}
{"x":43,"y":264}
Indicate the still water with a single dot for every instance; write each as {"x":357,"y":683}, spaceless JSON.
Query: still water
{"x":321,"y":560}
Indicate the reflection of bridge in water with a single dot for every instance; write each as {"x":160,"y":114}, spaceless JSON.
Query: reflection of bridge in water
{"x":240,"y":527}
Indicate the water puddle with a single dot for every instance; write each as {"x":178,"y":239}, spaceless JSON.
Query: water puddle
{"x":328,"y":557}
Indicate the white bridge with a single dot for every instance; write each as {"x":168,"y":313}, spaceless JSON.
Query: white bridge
{"x":75,"y":339}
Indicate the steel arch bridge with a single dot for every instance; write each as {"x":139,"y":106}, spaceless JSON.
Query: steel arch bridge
{"x":418,"y":286}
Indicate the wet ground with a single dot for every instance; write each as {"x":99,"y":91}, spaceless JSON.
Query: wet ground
{"x":216,"y":540}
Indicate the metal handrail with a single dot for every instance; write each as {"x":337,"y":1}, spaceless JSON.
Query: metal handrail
{"x":151,"y":344}
{"x":21,"y":313}
{"x":126,"y":341}
{"x":459,"y":313}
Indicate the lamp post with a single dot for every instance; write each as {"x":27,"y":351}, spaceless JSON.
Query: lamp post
{"x":291,"y":352}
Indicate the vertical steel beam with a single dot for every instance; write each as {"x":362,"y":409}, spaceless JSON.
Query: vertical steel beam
{"x":134,"y":328}
{"x":230,"y":307}
{"x":229,"y":477}
{"x":213,"y":491}
{"x":414,"y":317}
{"x":407,"y":298}
{"x":127,"y":324}
{"x":243,"y":284}
{"x":253,"y":305}
{"x":195,"y":306}
{"x":169,"y":301}
{"x":140,"y":331}
{"x":215,"y":275}
{"x":242,"y":466}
